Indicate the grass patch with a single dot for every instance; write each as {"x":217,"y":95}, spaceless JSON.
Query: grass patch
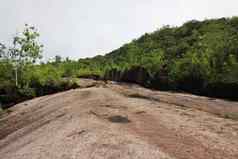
{"x":140,"y":96}
{"x":1,"y":111}
{"x":137,"y":95}
{"x":4,"y":112}
{"x":233,"y":116}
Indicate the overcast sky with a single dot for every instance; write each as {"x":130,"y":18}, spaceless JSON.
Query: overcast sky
{"x":85,"y":28}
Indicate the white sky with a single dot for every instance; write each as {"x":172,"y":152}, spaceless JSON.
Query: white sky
{"x":85,"y":28}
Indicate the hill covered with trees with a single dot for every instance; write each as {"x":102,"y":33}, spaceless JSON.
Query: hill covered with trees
{"x":199,"y":57}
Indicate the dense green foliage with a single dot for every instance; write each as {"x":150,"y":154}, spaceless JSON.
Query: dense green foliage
{"x":197,"y":57}
{"x":21,"y":78}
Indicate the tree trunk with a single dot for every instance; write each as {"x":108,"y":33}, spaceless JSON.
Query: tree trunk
{"x":16,"y":77}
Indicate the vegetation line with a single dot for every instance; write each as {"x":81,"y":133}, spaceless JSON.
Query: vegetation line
{"x":199,"y":57}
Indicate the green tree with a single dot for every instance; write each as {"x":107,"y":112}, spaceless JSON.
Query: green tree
{"x":25,"y":50}
{"x":58,"y":59}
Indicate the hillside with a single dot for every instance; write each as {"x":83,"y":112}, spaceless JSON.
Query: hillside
{"x":200,"y":57}
{"x":119,"y":121}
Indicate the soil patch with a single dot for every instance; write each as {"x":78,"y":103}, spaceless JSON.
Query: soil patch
{"x":119,"y":119}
